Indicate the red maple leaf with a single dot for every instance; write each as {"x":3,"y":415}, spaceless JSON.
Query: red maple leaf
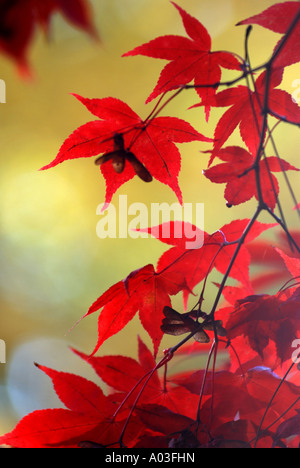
{"x":245,"y":110}
{"x":195,"y":263}
{"x":267,"y":317}
{"x":270,"y":259}
{"x":241,"y":181}
{"x":144,"y":291}
{"x":162,"y":420}
{"x":278,"y":18}
{"x":239,"y":396}
{"x":125,"y":374}
{"x":292,"y":264}
{"x":88,"y":417}
{"x":19,"y":18}
{"x":150,"y":142}
{"x":190,"y":59}
{"x":287,"y":430}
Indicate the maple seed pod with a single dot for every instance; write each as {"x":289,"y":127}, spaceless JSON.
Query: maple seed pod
{"x":118,"y":162}
{"x":119,"y":156}
{"x":139,"y":168}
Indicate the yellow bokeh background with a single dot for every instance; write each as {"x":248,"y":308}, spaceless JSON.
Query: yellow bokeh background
{"x":53,"y":265}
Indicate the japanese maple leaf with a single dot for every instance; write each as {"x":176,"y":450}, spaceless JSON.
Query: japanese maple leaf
{"x":125,"y":374}
{"x":150,"y":142}
{"x":144,"y":291}
{"x":245,"y":110}
{"x":287,"y":430}
{"x":272,"y":259}
{"x":16,"y":30}
{"x":267,"y":317}
{"x":77,"y":12}
{"x":87,"y":417}
{"x":191,"y":59}
{"x":292,"y":264}
{"x":246,"y":394}
{"x":279,"y":18}
{"x":195,"y":263}
{"x":19,"y":19}
{"x":241,"y":181}
{"x":161,"y":420}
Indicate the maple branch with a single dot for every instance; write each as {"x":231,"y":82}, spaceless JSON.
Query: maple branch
{"x":233,"y":259}
{"x":227,"y":83}
{"x":203,"y":384}
{"x":265,"y":127}
{"x":279,"y":221}
{"x":156,"y":111}
{"x":295,"y":201}
{"x":201,"y":298}
{"x":265,"y":111}
{"x":261,"y":206}
{"x":282,"y":118}
{"x":149,"y":374}
{"x":210,"y":317}
{"x":130,"y":393}
{"x":271,"y":401}
{"x":279,"y":417}
{"x":266,"y":65}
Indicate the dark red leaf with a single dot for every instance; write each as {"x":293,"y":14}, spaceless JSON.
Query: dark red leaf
{"x":162,"y":420}
{"x":19,"y":19}
{"x":273,"y":269}
{"x":241,"y":395}
{"x":265,"y":317}
{"x":288,"y":428}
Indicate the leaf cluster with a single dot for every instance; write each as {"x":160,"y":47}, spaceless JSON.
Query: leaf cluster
{"x":251,"y":397}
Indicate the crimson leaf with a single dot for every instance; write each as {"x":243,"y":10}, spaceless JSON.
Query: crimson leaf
{"x":152,"y":143}
{"x":190,"y":59}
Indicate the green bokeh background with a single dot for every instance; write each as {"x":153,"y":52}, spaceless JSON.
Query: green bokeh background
{"x":53,"y":266}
